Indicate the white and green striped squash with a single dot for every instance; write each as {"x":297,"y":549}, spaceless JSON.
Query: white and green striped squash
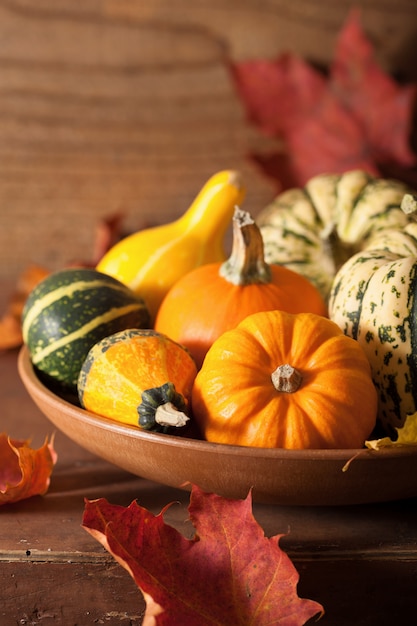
{"x":315,"y":229}
{"x":374,"y":300}
{"x":67,"y":313}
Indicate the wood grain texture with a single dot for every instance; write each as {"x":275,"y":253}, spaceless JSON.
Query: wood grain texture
{"x":63,"y":594}
{"x":363,"y":593}
{"x":109,"y":105}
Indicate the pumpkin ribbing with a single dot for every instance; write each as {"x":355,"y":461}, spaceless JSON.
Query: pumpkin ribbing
{"x":235,"y":401}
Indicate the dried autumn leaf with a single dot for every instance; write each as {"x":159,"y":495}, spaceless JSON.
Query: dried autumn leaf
{"x":24,"y":471}
{"x":10,"y":324}
{"x":356,"y":117}
{"x":278,"y":94}
{"x":381,"y":106}
{"x":407,"y":436}
{"x":229,"y":573}
{"x":10,"y":331}
{"x":108,"y":231}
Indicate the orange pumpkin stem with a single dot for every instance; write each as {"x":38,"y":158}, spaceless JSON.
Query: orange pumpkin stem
{"x":286,"y":378}
{"x":246,"y":264}
{"x":168,"y":415}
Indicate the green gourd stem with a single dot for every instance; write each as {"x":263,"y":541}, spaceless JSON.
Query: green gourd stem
{"x":246,"y":264}
{"x":286,"y":378}
{"x":162,"y":408}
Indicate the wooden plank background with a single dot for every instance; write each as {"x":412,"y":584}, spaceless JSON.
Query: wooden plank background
{"x":109,"y":105}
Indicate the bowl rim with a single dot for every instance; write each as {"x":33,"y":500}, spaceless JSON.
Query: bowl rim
{"x":37,"y":389}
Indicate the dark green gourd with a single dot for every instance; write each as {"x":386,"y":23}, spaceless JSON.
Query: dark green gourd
{"x":70,"y":311}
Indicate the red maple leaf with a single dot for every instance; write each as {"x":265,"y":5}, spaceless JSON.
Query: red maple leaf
{"x":229,"y":573}
{"x":382,"y":108}
{"x":356,"y":117}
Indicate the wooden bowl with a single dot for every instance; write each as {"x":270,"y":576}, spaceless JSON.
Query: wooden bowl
{"x":277,"y":476}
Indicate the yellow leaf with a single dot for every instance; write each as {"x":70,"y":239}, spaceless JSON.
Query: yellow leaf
{"x":407,"y":436}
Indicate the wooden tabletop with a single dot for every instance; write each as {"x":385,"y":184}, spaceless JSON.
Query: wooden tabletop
{"x":128,"y":105}
{"x":360,"y":562}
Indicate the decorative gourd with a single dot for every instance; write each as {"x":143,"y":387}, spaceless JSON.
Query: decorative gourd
{"x":280,"y":380}
{"x":374,"y":300}
{"x":216,"y":297}
{"x":152,"y":260}
{"x":138,"y":377}
{"x":314,"y":230}
{"x":67,"y":313}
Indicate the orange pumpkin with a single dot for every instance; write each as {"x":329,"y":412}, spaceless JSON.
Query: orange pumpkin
{"x":216,"y":297}
{"x":139,"y":377}
{"x":280,"y":380}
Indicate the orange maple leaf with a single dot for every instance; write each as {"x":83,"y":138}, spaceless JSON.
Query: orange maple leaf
{"x":10,"y":322}
{"x":229,"y":573}
{"x":24,"y":471}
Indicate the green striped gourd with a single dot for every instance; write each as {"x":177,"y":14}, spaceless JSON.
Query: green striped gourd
{"x":374,"y":300}
{"x":315,"y":229}
{"x":68,"y":312}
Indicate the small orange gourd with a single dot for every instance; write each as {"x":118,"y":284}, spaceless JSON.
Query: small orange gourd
{"x":138,"y":377}
{"x":280,"y":380}
{"x":216,"y":297}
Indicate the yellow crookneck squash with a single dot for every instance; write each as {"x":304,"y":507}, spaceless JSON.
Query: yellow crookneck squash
{"x":216,"y":297}
{"x":138,"y":377}
{"x":280,"y":380}
{"x":150,"y":261}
